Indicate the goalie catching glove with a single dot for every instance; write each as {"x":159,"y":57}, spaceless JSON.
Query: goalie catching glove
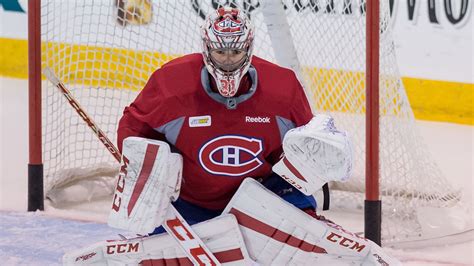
{"x":315,"y":154}
{"x":149,"y":179}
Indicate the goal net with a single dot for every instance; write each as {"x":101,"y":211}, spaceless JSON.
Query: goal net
{"x":105,"y":50}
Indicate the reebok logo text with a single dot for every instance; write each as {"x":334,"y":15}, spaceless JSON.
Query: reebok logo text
{"x":257,"y":119}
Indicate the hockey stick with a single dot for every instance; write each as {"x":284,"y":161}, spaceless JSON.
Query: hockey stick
{"x":174,"y":223}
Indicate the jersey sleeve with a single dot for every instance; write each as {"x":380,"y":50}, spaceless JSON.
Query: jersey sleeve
{"x":300,"y":114}
{"x":136,"y":117}
{"x":300,"y":109}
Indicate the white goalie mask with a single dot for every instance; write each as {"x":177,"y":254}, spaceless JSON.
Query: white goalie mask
{"x":227,"y":48}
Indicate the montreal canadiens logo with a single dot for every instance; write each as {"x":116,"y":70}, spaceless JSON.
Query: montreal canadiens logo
{"x":228,"y":26}
{"x":231,"y":155}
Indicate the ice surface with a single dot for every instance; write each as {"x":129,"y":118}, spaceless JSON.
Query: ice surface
{"x":37,"y":239}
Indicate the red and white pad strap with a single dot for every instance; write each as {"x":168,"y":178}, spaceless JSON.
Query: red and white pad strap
{"x":315,"y":154}
{"x":149,"y":179}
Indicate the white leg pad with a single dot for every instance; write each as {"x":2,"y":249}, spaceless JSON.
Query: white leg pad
{"x":277,"y":233}
{"x":221,"y":235}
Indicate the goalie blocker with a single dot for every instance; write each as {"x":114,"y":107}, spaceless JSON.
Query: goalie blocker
{"x":149,"y":179}
{"x":315,"y":154}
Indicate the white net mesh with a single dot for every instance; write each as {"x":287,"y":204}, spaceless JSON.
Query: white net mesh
{"x":105,"y":50}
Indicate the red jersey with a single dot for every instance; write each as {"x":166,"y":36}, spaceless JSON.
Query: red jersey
{"x":222,"y":140}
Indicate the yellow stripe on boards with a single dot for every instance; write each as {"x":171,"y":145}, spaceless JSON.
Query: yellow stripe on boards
{"x":336,"y":90}
{"x":441,"y":100}
{"x":14,"y":58}
{"x":130,"y":69}
{"x":102,"y":66}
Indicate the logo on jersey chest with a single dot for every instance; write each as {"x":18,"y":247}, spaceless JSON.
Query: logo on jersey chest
{"x":231,"y":155}
{"x":200,"y":121}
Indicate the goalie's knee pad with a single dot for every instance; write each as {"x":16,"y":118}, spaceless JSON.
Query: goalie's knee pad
{"x":277,"y":233}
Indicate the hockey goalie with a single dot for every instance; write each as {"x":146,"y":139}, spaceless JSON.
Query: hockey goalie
{"x":228,"y":140}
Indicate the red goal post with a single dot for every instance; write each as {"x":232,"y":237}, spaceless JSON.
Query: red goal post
{"x":342,"y":51}
{"x":373,"y":205}
{"x":35,"y":161}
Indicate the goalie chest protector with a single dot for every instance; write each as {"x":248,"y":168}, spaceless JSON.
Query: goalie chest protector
{"x":220,"y":145}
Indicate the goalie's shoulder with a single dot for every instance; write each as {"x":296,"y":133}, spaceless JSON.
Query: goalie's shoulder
{"x":268,"y":70}
{"x":192,"y":61}
{"x":181,"y":68}
{"x":278,"y":83}
{"x":182,"y":72}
